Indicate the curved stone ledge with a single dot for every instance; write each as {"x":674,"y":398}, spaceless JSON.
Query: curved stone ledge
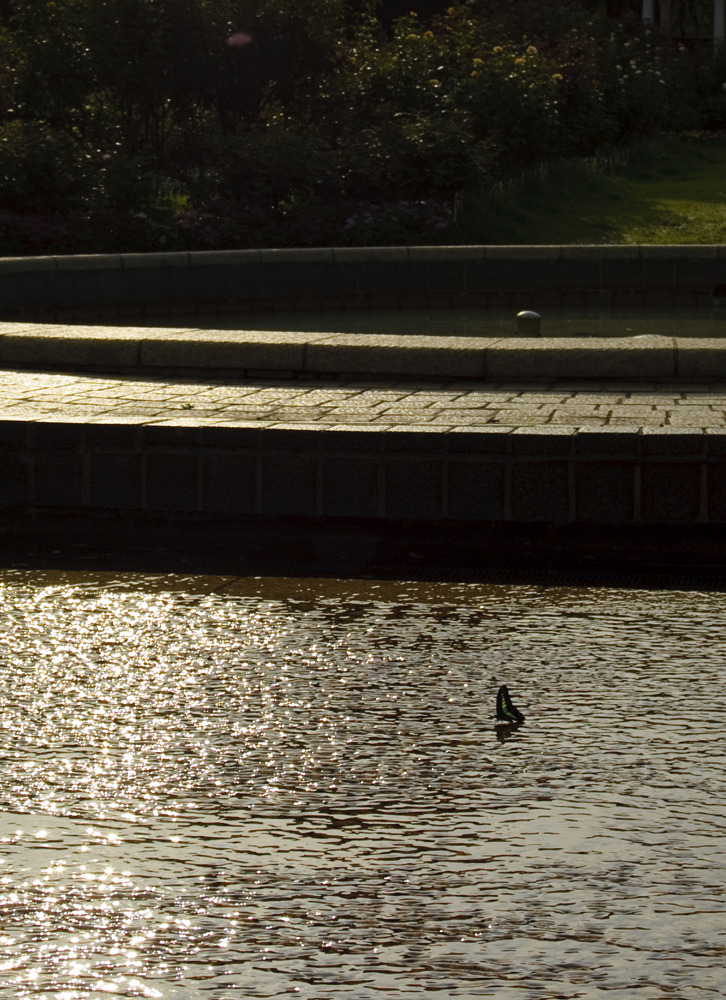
{"x":43,"y":287}
{"x":236,"y":352}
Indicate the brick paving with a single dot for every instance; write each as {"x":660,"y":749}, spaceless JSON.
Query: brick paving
{"x":425,"y":405}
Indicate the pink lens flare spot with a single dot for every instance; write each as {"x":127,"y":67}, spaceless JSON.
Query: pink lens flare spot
{"x":239,"y":39}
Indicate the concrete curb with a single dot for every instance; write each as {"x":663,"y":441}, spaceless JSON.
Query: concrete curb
{"x":240,"y":352}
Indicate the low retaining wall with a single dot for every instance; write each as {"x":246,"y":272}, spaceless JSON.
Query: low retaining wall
{"x":333,"y":277}
{"x":556,"y":477}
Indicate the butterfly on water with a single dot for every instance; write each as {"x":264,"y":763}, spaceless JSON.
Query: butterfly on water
{"x":507,"y":713}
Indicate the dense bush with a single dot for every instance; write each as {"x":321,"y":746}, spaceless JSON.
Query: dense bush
{"x":222,"y":123}
{"x":42,"y":168}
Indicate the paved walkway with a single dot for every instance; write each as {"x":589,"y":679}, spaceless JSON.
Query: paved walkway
{"x":357,"y":404}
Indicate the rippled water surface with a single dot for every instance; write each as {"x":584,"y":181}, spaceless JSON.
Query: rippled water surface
{"x":280,"y":788}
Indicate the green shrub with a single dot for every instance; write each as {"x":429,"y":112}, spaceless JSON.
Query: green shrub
{"x":394,"y":155}
{"x":43,"y":169}
{"x":269,"y":163}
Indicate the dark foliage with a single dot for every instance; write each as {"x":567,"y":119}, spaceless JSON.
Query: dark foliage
{"x":135,"y":124}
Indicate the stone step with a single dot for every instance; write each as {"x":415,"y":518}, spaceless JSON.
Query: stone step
{"x":489,"y":358}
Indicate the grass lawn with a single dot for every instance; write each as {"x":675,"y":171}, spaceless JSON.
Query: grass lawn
{"x":671,"y":190}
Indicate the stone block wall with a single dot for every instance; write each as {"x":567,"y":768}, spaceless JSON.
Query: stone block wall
{"x":350,"y":276}
{"x":620,"y":478}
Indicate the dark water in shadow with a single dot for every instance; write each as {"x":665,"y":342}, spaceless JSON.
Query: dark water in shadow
{"x":460,"y":321}
{"x":280,"y":788}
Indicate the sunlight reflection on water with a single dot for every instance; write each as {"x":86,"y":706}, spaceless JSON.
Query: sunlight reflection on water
{"x":269,"y":788}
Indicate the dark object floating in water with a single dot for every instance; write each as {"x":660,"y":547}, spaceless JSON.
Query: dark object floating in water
{"x":507,"y":713}
{"x":719,"y":295}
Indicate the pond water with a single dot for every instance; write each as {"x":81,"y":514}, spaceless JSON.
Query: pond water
{"x":217,"y":787}
{"x":458,"y":322}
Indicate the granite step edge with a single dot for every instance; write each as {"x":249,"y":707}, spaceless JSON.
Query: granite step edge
{"x":493,"y":358}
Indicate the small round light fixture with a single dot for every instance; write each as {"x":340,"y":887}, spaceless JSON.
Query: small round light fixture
{"x":529,"y":324}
